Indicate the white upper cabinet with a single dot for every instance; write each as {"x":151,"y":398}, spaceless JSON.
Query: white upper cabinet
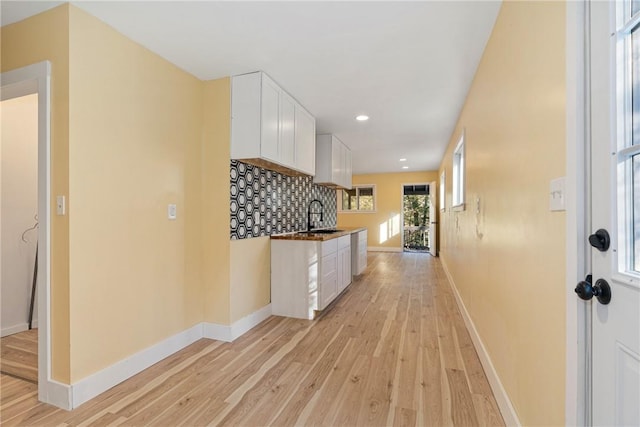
{"x":305,"y":141}
{"x":287,"y":130}
{"x":333,"y":162}
{"x":270,"y":121}
{"x":269,"y":128}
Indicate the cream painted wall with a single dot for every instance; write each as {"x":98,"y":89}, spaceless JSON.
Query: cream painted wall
{"x":250,"y":276}
{"x":388,"y":207}
{"x":134,"y":147}
{"x":19,"y":191}
{"x":39,"y":38}
{"x":508,"y":261}
{"x":143,"y":134}
{"x":216,"y":259}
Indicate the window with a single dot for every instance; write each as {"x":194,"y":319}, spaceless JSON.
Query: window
{"x":458,"y":175}
{"x":628,"y":155}
{"x":360,"y":198}
{"x":442,"y":190}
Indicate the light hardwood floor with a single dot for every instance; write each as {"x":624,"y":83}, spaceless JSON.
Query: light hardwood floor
{"x":19,"y":355}
{"x":393,"y":350}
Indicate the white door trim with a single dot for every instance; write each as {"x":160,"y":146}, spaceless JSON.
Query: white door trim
{"x":36,"y":78}
{"x":577,"y":387}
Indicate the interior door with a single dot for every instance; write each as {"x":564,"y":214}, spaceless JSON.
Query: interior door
{"x":615,"y":201}
{"x":433,"y":220}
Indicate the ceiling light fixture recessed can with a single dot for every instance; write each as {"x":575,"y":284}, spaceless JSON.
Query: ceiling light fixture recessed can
{"x":362,"y":118}
{"x":405,"y":167}
{"x":403,"y":160}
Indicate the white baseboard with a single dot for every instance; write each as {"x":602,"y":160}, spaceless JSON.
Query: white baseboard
{"x":247,"y":323}
{"x":10,"y":330}
{"x":56,"y":394}
{"x":383,"y":249}
{"x":101,"y":381}
{"x":502,"y":398}
{"x":215,"y":331}
{"x":20,"y":327}
{"x":71,"y":396}
{"x":229,"y":333}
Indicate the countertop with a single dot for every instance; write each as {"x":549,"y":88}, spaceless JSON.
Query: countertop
{"x":296,"y":235}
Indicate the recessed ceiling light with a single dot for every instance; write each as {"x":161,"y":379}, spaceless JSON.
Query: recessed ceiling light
{"x":362,"y":118}
{"x":405,"y":167}
{"x":403,"y":160}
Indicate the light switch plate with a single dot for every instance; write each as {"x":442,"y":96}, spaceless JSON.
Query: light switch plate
{"x":61,"y":208}
{"x":172,"y":212}
{"x":557,"y":195}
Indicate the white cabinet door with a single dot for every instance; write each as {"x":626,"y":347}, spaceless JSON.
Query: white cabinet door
{"x":287,"y":130}
{"x":333,"y":162}
{"x":344,"y":262}
{"x":267,"y":124}
{"x":346,"y":168}
{"x":270,"y":120}
{"x":305,"y":137}
{"x":362,"y":260}
{"x":329,"y":280}
{"x":359,"y":262}
{"x":344,"y":268}
{"x":336,"y":160}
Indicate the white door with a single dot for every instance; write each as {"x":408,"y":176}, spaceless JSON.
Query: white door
{"x":615,"y":207}
{"x":433,"y":219}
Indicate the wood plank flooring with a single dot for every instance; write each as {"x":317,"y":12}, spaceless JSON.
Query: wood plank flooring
{"x":19,"y":355}
{"x":393,"y":350}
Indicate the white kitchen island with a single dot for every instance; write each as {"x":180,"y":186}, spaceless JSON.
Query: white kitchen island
{"x":309,"y":271}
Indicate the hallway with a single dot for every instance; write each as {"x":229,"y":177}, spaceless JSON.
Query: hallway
{"x":392,"y":350}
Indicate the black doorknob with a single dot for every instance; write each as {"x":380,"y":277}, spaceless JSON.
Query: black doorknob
{"x":601,"y":290}
{"x":600,"y":240}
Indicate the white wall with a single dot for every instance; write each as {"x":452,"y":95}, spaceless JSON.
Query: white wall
{"x":19,"y":204}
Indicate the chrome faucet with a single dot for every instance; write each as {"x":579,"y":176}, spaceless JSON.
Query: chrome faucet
{"x":310,"y":212}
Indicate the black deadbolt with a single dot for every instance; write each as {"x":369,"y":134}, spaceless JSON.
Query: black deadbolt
{"x":600,"y":240}
{"x":600,"y":290}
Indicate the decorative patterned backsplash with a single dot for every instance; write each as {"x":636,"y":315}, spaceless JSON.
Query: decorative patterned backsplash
{"x":265,"y":202}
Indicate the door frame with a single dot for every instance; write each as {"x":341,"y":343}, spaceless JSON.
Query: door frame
{"x":402,"y":210}
{"x":578,"y":213}
{"x":36,"y":79}
{"x":433,"y":218}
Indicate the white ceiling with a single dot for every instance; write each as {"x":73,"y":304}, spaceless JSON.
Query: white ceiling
{"x":408,"y":65}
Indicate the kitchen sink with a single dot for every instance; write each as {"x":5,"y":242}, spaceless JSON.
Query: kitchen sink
{"x":321,"y":231}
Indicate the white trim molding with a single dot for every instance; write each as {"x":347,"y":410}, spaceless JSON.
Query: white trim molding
{"x":231,"y":332}
{"x":21,"y":327}
{"x":95,"y":384}
{"x":71,"y":396}
{"x":577,"y":384}
{"x":502,"y":398}
{"x":383,"y":249}
{"x":36,"y":78}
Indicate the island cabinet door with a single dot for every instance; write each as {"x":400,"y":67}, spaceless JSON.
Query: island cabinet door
{"x":328,"y":288}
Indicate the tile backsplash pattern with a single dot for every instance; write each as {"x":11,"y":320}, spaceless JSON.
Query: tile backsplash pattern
{"x":265,"y":202}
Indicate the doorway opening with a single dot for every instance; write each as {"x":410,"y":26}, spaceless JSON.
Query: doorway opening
{"x":416,"y":218}
{"x":19,"y":237}
{"x":35,"y":79}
